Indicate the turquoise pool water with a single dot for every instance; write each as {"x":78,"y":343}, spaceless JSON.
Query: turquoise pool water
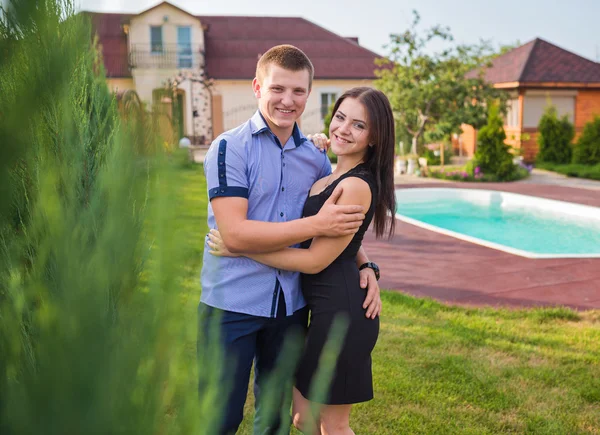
{"x":523,"y":225}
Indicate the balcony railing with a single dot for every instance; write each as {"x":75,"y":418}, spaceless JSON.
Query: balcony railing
{"x":115,"y":64}
{"x":165,"y":56}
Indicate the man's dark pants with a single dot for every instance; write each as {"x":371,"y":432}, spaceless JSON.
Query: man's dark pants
{"x":248,"y":339}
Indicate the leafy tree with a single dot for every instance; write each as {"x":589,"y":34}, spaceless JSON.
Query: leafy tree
{"x":493,"y":156}
{"x":433,"y":89}
{"x":587,"y":149}
{"x":555,"y":136}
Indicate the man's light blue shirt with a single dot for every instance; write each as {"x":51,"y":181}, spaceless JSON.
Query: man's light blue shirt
{"x":250,"y":162}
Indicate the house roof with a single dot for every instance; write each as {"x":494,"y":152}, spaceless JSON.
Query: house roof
{"x":540,"y":61}
{"x":159,"y":5}
{"x":233,"y":44}
{"x":113,"y":40}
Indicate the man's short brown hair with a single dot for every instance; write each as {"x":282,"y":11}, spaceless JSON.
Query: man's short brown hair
{"x":285,"y":56}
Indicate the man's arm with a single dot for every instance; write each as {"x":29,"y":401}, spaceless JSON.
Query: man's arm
{"x":243,"y":235}
{"x":322,"y":251}
{"x":226,"y":169}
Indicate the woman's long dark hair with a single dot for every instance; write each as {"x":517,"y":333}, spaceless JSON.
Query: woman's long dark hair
{"x":380,"y":157}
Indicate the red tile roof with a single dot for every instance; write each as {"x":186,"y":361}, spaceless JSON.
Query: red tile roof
{"x":113,"y":42}
{"x":233,"y":45}
{"x":540,"y":61}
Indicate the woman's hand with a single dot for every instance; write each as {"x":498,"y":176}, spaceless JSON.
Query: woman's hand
{"x":217,"y":246}
{"x":320,"y":140}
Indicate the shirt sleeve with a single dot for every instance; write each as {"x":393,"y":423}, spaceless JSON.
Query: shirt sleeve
{"x":326,"y":168}
{"x":225,"y":169}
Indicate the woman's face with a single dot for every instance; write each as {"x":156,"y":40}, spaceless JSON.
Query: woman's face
{"x":349,"y":131}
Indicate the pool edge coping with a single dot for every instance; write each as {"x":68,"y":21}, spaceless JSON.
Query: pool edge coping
{"x":486,"y":243}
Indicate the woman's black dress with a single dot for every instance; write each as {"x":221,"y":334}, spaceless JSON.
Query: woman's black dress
{"x":337,"y":290}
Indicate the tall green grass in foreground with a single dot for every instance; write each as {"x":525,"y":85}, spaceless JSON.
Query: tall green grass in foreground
{"x":94,"y":337}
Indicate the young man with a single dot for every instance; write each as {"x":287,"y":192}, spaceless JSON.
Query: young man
{"x":259,"y":175}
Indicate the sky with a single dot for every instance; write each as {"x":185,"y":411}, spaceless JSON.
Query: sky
{"x":573,"y":25}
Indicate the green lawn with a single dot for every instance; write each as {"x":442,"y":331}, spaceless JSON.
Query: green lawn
{"x":447,"y":370}
{"x":591,"y":172}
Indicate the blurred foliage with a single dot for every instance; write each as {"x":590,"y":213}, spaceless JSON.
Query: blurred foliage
{"x":576,"y":170}
{"x":434,"y":157}
{"x":92,"y":336}
{"x":555,"y":137}
{"x":587,"y":148}
{"x":493,"y":156}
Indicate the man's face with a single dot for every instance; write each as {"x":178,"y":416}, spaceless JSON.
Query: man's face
{"x":282,"y":97}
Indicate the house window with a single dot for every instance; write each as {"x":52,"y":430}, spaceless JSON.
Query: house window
{"x":512,"y":113}
{"x":184,"y":47}
{"x":327,"y":99}
{"x":535,"y":107}
{"x":156,"y":40}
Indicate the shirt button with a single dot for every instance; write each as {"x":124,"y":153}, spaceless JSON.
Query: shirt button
{"x":222,"y":190}
{"x":221,"y":153}
{"x":283,"y":189}
{"x":221,"y":164}
{"x":279,"y":272}
{"x":284,"y":164}
{"x":281,"y":214}
{"x":222,"y":175}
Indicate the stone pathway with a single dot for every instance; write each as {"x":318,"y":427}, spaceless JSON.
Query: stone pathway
{"x":540,"y":176}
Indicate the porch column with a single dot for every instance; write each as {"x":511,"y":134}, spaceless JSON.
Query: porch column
{"x":217,"y":115}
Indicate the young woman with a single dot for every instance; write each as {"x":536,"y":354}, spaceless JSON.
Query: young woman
{"x":362,"y":137}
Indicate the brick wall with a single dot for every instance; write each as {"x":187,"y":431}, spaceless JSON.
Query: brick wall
{"x":529,"y":145}
{"x":587,"y":105}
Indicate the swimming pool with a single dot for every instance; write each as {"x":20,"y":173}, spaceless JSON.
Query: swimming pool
{"x":519,"y":224}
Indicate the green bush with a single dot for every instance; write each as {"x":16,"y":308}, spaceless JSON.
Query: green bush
{"x":493,"y":156}
{"x":92,"y":325}
{"x":555,"y":136}
{"x":587,"y":148}
{"x":471,"y":172}
{"x":576,"y":170}
{"x":435,"y":160}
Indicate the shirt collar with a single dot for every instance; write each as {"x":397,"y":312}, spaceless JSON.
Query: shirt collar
{"x":259,"y":125}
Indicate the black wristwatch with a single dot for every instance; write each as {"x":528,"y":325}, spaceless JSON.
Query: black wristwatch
{"x":371,"y":265}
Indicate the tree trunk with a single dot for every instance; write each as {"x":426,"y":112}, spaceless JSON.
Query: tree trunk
{"x":413,"y":148}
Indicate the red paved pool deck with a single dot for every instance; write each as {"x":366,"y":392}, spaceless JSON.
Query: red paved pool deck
{"x":428,"y":264}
